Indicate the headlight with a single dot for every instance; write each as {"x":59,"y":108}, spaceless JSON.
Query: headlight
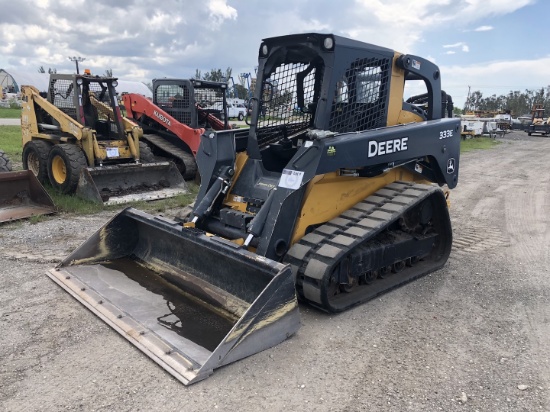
{"x":79,"y":81}
{"x":328,"y":43}
{"x":265,"y":49}
{"x":115,"y":83}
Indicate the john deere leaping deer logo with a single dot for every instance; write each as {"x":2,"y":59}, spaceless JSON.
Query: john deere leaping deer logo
{"x":450,"y":166}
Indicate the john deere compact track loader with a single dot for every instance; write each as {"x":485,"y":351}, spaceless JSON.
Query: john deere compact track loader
{"x":334,"y":203}
{"x":77,"y":140}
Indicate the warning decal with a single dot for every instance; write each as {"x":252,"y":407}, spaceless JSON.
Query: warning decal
{"x":291,"y":179}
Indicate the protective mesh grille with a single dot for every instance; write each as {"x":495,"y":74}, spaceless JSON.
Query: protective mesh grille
{"x":361,"y":96}
{"x":99,"y":92}
{"x":207,"y":97}
{"x":210,"y":100}
{"x":176,"y":101}
{"x":63,"y":96}
{"x":279,"y":114}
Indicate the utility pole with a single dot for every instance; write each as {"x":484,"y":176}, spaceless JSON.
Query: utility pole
{"x":467,"y":105}
{"x":77,"y":59}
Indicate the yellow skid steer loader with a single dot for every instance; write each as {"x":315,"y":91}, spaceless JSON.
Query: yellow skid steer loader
{"x":76,"y":139}
{"x":334,"y":202}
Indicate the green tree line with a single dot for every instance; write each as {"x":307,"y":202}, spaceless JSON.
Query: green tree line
{"x":236,"y":87}
{"x":515,"y":102}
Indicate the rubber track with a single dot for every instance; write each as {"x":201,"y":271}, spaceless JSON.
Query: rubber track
{"x":317,"y":253}
{"x":187,"y":159}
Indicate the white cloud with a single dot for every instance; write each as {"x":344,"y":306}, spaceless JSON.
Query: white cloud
{"x":220,"y":11}
{"x":43,"y":52}
{"x":450,"y":46}
{"x":35,"y":32}
{"x":163,"y":22}
{"x":403,"y":22}
{"x":43,"y":4}
{"x":484,"y":28}
{"x":494,"y":78}
{"x":181,"y":36}
{"x":493,"y":7}
{"x":315,"y":25}
{"x":463,"y":46}
{"x":7,"y":48}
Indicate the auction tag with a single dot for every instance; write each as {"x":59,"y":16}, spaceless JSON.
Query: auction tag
{"x":112,"y":152}
{"x":291,"y":179}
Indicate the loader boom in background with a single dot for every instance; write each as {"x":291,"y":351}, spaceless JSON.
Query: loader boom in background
{"x":178,"y":115}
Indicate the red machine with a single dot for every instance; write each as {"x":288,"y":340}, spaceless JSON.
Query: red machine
{"x":177,"y":116}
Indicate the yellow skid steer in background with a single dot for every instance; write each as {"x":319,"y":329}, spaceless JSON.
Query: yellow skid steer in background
{"x":77,"y":140}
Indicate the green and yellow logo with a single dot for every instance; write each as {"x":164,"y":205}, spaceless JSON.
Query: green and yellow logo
{"x":331,"y":151}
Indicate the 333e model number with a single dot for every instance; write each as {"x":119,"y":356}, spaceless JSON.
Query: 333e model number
{"x":444,"y":134}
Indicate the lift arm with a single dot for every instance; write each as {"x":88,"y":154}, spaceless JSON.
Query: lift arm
{"x":31,"y":96}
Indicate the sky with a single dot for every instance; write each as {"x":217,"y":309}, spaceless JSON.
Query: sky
{"x":493,"y":46}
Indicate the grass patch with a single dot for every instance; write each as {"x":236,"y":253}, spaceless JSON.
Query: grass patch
{"x":6,"y":113}
{"x":160,"y":206}
{"x":10,"y":141}
{"x":33,"y":220}
{"x":72,"y":204}
{"x":478,"y":143}
{"x":11,"y":225}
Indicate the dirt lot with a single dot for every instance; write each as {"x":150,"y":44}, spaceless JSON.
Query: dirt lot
{"x":474,"y":336}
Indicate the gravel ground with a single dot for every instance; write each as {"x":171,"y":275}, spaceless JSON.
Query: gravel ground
{"x":474,"y":336}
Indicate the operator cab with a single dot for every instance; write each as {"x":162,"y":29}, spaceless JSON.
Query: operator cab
{"x":319,"y":83}
{"x":90,"y":100}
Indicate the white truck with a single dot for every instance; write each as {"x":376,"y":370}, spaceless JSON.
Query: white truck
{"x":234,"y":111}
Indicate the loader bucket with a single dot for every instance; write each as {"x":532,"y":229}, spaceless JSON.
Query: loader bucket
{"x":191,"y":302}
{"x":22,"y":196}
{"x":130,"y":182}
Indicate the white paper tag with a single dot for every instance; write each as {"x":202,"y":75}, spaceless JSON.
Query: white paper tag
{"x":291,"y":179}
{"x":112,"y":152}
